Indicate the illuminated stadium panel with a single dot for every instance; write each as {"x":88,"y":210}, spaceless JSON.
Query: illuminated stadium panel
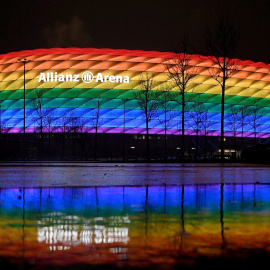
{"x":249,"y":86}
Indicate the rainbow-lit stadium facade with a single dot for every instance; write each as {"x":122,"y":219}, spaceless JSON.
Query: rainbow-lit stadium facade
{"x":248,"y":86}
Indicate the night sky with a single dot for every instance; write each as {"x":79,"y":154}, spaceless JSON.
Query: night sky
{"x":144,"y":25}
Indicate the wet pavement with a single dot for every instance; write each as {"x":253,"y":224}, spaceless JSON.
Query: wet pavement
{"x":118,"y":174}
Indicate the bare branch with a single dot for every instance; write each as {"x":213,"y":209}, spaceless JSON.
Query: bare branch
{"x":254,"y":118}
{"x":181,"y":71}
{"x":148,"y":100}
{"x":220,"y":43}
{"x":95,"y":114}
{"x":167,"y":115}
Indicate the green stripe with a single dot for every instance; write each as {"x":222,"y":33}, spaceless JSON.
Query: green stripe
{"x":114,"y":98}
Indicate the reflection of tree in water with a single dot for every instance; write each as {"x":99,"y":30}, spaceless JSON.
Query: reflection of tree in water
{"x":179,"y":236}
{"x":242,"y":196}
{"x":146,"y":212}
{"x":123,"y":200}
{"x":200,"y":199}
{"x":165,"y":193}
{"x":254,"y":195}
{"x":221,"y":215}
{"x":23,"y":224}
{"x":182,"y":214}
{"x":96,"y":192}
{"x":0,"y":200}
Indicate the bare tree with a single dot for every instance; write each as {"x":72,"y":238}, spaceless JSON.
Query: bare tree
{"x":181,"y":71}
{"x":48,"y":121}
{"x":73,"y":128}
{"x":4,"y":138}
{"x":206,"y":124}
{"x":243,"y":117}
{"x":197,"y":115}
{"x":234,"y":123}
{"x":148,"y":102}
{"x":64,"y":121}
{"x":124,"y":129}
{"x":220,"y":43}
{"x":39,"y":114}
{"x":74,"y":124}
{"x":82,"y":130}
{"x":96,"y":121}
{"x":167,"y":115}
{"x":81,"y":124}
{"x":254,"y":118}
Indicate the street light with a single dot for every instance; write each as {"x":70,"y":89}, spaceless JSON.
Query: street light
{"x":24,"y":61}
{"x":124,"y":130}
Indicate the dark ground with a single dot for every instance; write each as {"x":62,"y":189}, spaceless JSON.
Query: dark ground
{"x":45,"y":174}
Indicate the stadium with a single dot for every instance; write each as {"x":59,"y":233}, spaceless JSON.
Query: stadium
{"x":62,"y":90}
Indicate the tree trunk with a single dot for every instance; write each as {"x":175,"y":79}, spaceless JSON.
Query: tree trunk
{"x":50,"y":141}
{"x":222,"y":216}
{"x":82,"y":146}
{"x":242,"y":135}
{"x":1,"y":143}
{"x":147,"y":142}
{"x":124,"y":146}
{"x":95,"y":150}
{"x":205,"y":145}
{"x":165,"y":142}
{"x":124,"y":131}
{"x":180,"y":138}
{"x":183,"y":129}
{"x":89,"y":146}
{"x":73,"y":144}
{"x":41,"y":140}
{"x":63,"y":145}
{"x":222,"y":120}
{"x":182,"y":208}
{"x":197,"y":140}
{"x":165,"y":145}
{"x":234,"y":141}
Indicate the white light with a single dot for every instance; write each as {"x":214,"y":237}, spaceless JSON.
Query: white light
{"x":132,"y":147}
{"x":70,"y":234}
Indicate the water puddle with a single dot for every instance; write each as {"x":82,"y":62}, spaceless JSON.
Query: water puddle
{"x":141,"y":226}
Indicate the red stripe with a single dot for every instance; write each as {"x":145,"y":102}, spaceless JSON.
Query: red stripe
{"x":139,"y":53}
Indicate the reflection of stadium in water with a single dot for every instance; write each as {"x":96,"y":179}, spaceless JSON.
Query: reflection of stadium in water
{"x":66,"y":231}
{"x":136,"y":224}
